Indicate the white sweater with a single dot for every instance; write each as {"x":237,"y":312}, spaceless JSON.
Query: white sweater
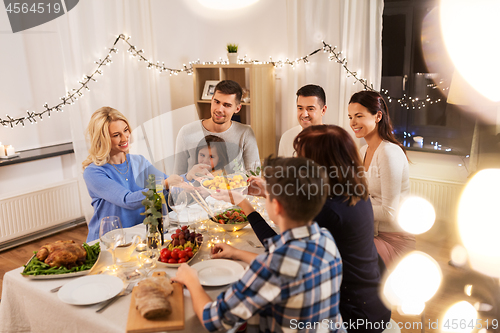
{"x":388,"y":179}
{"x":286,"y":142}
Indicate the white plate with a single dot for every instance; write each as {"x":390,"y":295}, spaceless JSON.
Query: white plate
{"x":218,"y":205}
{"x":90,"y":289}
{"x":61,"y":276}
{"x":218,"y":272}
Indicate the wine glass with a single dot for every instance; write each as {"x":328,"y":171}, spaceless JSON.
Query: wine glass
{"x":112,"y":235}
{"x":177,"y":201}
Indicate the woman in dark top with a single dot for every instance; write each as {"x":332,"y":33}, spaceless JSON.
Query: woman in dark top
{"x":348,"y":215}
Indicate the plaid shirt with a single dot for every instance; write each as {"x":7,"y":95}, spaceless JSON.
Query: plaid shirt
{"x":293,"y":287}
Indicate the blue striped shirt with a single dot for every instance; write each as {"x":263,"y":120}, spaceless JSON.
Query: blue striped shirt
{"x":293,"y":287}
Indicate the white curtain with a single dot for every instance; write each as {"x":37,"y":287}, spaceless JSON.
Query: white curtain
{"x":125,"y":85}
{"x":355,"y":27}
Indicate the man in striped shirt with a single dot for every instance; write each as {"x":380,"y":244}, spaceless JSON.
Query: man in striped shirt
{"x":293,"y":286}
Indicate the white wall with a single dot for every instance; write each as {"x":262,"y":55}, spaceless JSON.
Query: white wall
{"x":32,"y":73}
{"x":32,"y":69}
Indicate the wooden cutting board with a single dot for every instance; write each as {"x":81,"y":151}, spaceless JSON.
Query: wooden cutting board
{"x":174,"y":322}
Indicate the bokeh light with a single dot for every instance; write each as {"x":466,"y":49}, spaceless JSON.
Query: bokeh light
{"x":468,"y":29}
{"x":416,"y":215}
{"x":413,"y":282}
{"x":226,"y":4}
{"x":479,"y":221}
{"x":458,"y":318}
{"x":458,"y":255}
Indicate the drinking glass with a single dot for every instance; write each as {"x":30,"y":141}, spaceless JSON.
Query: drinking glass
{"x":148,"y":260}
{"x":112,"y":235}
{"x":177,"y":201}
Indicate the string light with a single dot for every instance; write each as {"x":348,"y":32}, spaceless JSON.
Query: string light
{"x":73,"y":95}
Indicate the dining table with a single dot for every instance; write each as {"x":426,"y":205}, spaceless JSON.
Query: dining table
{"x":28,"y":305}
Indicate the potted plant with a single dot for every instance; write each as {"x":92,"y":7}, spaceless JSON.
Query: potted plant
{"x":152,"y":211}
{"x":232,"y":53}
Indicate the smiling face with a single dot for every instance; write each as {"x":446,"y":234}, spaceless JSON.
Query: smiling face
{"x":208,"y":156}
{"x":120,"y":134}
{"x":309,"y":111}
{"x":223,"y":107}
{"x":362,"y":122}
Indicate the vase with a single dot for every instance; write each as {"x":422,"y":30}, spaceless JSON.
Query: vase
{"x":233,"y":58}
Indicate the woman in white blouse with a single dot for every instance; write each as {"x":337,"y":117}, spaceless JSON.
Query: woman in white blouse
{"x":387,"y":172}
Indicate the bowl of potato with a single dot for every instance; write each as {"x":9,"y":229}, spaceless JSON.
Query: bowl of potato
{"x":233,"y":182}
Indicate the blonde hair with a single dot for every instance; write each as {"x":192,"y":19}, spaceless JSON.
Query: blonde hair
{"x":98,"y":135}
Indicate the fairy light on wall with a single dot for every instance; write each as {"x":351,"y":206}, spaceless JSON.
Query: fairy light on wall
{"x":72,"y":96}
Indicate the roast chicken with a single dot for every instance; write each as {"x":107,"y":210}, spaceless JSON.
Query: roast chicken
{"x":151,"y":298}
{"x":62,"y":253}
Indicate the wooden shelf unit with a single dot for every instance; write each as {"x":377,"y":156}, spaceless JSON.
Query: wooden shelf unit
{"x":259,"y":113}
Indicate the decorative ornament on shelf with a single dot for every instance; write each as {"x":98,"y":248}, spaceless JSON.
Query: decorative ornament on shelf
{"x":152,"y":210}
{"x":232,"y":53}
{"x":7,"y":151}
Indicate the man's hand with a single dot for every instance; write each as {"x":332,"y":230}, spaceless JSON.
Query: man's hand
{"x":224,"y":251}
{"x":257,"y":186}
{"x":186,"y":275}
{"x":233,"y":197}
{"x":198,"y":171}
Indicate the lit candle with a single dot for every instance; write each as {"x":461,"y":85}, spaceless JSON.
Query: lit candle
{"x":10,"y":150}
{"x":2,"y":150}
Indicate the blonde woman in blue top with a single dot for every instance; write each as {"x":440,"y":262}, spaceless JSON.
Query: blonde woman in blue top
{"x":115,"y":179}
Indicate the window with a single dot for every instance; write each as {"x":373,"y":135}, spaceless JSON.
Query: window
{"x":417,"y":75}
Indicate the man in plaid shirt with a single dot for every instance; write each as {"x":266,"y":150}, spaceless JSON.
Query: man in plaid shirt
{"x":293,"y":286}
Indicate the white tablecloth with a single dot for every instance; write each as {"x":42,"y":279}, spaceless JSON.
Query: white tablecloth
{"x":28,"y":305}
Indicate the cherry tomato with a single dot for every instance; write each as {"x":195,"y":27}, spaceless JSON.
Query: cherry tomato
{"x":184,"y":227}
{"x":175,"y":255}
{"x":190,"y":254}
{"x":182,"y":254}
{"x":177,"y":231}
{"x":172,"y":261}
{"x":189,"y":248}
{"x":175,"y":250}
{"x":181,"y":260}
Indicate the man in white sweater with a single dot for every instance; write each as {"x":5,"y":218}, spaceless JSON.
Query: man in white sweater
{"x":240,"y":140}
{"x":311,"y":106}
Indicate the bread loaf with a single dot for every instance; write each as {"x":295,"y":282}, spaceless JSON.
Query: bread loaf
{"x":151,"y":298}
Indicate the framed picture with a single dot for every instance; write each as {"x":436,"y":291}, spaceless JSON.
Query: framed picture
{"x":209,"y":89}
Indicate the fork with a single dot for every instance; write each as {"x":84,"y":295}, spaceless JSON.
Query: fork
{"x":125,"y":292}
{"x":55,"y":289}
{"x":254,"y":245}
